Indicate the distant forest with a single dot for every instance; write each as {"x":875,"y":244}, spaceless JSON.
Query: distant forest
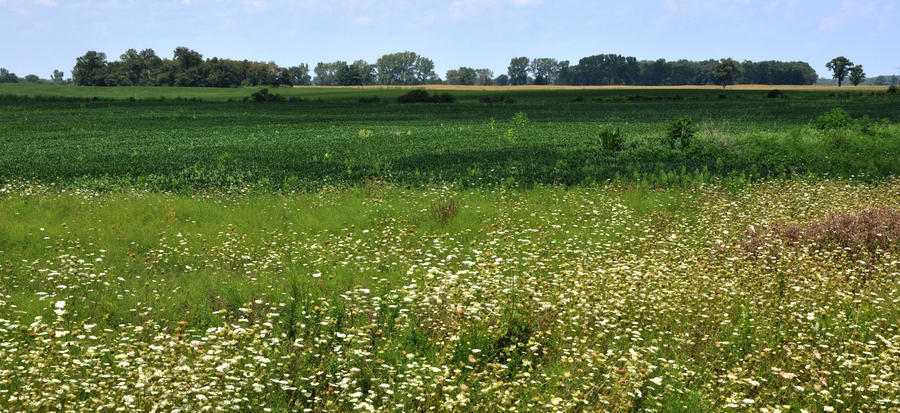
{"x":189,"y":68}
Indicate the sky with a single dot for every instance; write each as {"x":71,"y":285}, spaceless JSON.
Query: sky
{"x":42,"y":35}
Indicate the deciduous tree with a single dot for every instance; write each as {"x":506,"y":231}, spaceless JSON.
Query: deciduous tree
{"x":57,"y":77}
{"x":518,"y":71}
{"x":840,"y":67}
{"x":90,"y":69}
{"x":300,"y":75}
{"x":726,"y":71}
{"x":484,"y":77}
{"x":545,"y":70}
{"x":857,"y":75}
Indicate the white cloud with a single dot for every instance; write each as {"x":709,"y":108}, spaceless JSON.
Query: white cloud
{"x":872,"y":10}
{"x":46,"y":3}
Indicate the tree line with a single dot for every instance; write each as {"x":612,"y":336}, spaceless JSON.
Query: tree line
{"x":189,"y":68}
{"x":614,"y":69}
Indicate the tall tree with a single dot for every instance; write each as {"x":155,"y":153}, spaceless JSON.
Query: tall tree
{"x":655,"y":72}
{"x":518,"y":71}
{"x":57,"y":77}
{"x":326,"y":73}
{"x":484,"y":77}
{"x":424,"y":70}
{"x":90,"y":69}
{"x":726,"y":71}
{"x":133,"y":65}
{"x":150,"y":65}
{"x":606,"y":69}
{"x":857,"y":75}
{"x":356,"y":74}
{"x":840,"y":67}
{"x":545,"y":70}
{"x":7,"y":77}
{"x":462,"y":76}
{"x":401,"y":68}
{"x":300,"y":75}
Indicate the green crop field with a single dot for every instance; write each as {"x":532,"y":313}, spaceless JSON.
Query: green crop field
{"x":191,"y":249}
{"x":328,"y":137}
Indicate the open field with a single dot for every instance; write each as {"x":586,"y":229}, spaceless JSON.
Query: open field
{"x":845,"y":88}
{"x":338,"y":92}
{"x":331,"y":137}
{"x":547,"y":250}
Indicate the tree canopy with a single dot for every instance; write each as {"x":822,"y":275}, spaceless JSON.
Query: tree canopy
{"x":840,"y":67}
{"x":726,"y":71}
{"x":188,"y":67}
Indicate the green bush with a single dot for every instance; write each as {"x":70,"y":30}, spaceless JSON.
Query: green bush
{"x":836,"y":118}
{"x":422,"y":96}
{"x":893,"y":90}
{"x":611,"y":139}
{"x":681,"y":132}
{"x":263,"y":95}
{"x":496,"y":99}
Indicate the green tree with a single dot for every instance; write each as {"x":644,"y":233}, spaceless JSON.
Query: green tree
{"x":57,"y":77}
{"x":300,"y":75}
{"x":326,"y":73}
{"x":187,"y":58}
{"x":356,"y":74}
{"x":403,"y":68}
{"x":545,"y":70}
{"x":150,"y":66}
{"x":190,"y":67}
{"x":726,"y":71}
{"x":857,"y":75}
{"x":90,"y":69}
{"x":501,"y":80}
{"x":605,"y":69}
{"x":133,"y":65}
{"x":462,"y":76}
{"x":840,"y":67}
{"x":518,"y":71}
{"x":424,"y":70}
{"x":484,"y":77}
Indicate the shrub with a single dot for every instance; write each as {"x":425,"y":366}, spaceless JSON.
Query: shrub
{"x":611,"y":139}
{"x":496,"y":99}
{"x":422,"y":96}
{"x":893,"y":90}
{"x":263,"y":95}
{"x":415,"y":96}
{"x":681,"y":132}
{"x":520,"y":119}
{"x":443,"y":98}
{"x":444,"y":210}
{"x":834,"y":119}
{"x":775,"y":93}
{"x":871,"y":229}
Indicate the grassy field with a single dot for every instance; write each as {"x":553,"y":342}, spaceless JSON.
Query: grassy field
{"x":329,"y":137}
{"x":180,"y":251}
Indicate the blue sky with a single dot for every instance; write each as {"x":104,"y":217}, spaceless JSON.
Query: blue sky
{"x":42,"y":35}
